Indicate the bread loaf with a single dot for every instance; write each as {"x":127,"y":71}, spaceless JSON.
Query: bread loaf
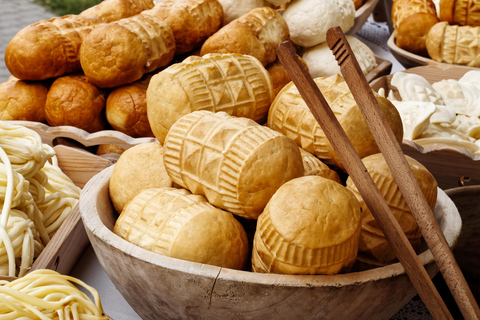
{"x":232,"y":9}
{"x":178,"y":224}
{"x":48,"y":48}
{"x":23,"y":100}
{"x":311,"y":225}
{"x":454,"y":44}
{"x":235,"y":162}
{"x":126,"y":109}
{"x":258,"y":33}
{"x":192,"y":21}
{"x":113,"y":10}
{"x":139,"y":167}
{"x":290,"y":115}
{"x":373,"y":243}
{"x":309,"y":20}
{"x":315,"y":167}
{"x":234,"y":83}
{"x":461,"y":12}
{"x":74,"y":101}
{"x":411,"y":20}
{"x":122,"y":51}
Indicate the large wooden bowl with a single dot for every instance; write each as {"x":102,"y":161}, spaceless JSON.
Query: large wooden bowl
{"x":159,"y":287}
{"x":452,"y":163}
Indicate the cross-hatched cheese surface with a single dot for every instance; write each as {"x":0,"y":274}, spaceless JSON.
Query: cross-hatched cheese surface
{"x":235,"y":162}
{"x":175,"y":223}
{"x":236,"y":84}
{"x":467,"y":13}
{"x":290,"y":115}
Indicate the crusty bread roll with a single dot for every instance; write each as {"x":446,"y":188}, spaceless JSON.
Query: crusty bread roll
{"x":411,"y":20}
{"x":139,"y":167}
{"x":290,"y":115}
{"x":122,"y":51}
{"x":279,"y":75}
{"x":258,"y":33}
{"x":234,"y":83}
{"x":461,"y":12}
{"x":178,"y":224}
{"x":235,"y":162}
{"x":23,"y":100}
{"x":48,"y":48}
{"x":192,"y":21}
{"x":315,"y":167}
{"x":311,"y":225}
{"x":454,"y":44}
{"x":373,"y":243}
{"x":232,"y":9}
{"x":113,"y":10}
{"x":309,"y":20}
{"x":126,"y":109}
{"x":322,"y":63}
{"x":74,"y":101}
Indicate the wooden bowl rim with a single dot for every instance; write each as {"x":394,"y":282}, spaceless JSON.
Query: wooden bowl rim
{"x":92,"y":222}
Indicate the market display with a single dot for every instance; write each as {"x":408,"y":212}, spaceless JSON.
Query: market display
{"x":46,"y":294}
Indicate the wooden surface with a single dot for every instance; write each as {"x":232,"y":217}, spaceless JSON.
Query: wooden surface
{"x":411,"y":192}
{"x":452,"y":165}
{"x":361,"y":15}
{"x":176,"y":289}
{"x":351,"y":160}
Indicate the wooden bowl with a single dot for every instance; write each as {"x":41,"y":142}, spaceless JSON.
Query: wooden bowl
{"x":452,"y":163}
{"x":157,"y":286}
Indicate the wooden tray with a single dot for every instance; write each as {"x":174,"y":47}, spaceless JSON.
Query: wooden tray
{"x":452,"y":165}
{"x":70,"y":240}
{"x":361,"y":15}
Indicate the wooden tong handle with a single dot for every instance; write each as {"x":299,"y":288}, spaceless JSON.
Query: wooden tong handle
{"x":402,"y":173}
{"x":362,"y":179}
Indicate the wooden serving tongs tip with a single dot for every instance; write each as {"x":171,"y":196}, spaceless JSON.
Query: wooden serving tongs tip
{"x":400,"y":169}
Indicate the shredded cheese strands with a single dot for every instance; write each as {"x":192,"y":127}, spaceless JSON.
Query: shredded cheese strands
{"x":33,"y":208}
{"x":46,"y":294}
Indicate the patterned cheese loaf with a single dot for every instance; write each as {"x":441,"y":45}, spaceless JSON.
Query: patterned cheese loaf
{"x":234,"y":162}
{"x":290,"y":115}
{"x":233,"y":83}
{"x":461,"y":12}
{"x":454,"y":44}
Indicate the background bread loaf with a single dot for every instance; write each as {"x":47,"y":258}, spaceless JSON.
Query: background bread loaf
{"x":122,"y":51}
{"x":411,"y":20}
{"x":454,"y":44}
{"x":233,"y":83}
{"x":258,"y":33}
{"x":192,"y":21}
{"x":112,"y":10}
{"x":461,"y":12}
{"x":48,"y":48}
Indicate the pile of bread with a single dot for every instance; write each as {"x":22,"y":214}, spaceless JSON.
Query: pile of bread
{"x":447,"y":31}
{"x":92,"y":70}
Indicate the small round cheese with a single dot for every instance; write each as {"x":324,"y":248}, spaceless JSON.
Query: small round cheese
{"x":309,"y":20}
{"x":232,"y":9}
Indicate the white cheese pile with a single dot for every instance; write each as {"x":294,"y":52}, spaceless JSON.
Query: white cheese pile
{"x":447,"y":111}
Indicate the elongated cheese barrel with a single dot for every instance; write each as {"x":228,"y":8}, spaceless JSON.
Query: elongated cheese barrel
{"x":234,"y":162}
{"x":461,"y":12}
{"x":236,"y":84}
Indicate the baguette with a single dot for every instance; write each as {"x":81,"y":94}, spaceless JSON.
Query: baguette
{"x":411,"y":20}
{"x":113,"y":10}
{"x":258,"y":33}
{"x":48,"y":48}
{"x":192,"y":21}
{"x":461,"y":12}
{"x":121,"y":52}
{"x":454,"y":44}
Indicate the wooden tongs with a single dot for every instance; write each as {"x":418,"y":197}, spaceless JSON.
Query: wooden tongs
{"x":400,"y":169}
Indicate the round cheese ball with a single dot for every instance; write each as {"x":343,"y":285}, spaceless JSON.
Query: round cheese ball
{"x":311,"y":225}
{"x":175,"y":223}
{"x":309,"y":20}
{"x":232,"y":9}
{"x":140,"y":167}
{"x":321,"y":61}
